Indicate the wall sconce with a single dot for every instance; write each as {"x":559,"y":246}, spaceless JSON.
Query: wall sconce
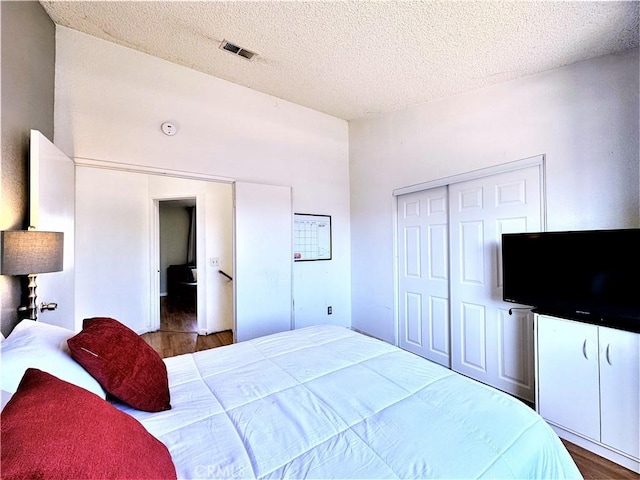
{"x":30,"y":252}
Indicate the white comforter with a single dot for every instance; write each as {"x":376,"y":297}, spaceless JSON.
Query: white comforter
{"x":326,"y":402}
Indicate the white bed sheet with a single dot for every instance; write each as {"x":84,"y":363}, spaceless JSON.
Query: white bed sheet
{"x":327,"y":402}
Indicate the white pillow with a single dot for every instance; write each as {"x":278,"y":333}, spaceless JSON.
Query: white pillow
{"x":42,"y":346}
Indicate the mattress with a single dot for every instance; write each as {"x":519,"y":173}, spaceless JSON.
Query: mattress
{"x":327,"y":402}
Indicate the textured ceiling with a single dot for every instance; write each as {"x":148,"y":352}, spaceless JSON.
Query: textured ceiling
{"x":351,"y":59}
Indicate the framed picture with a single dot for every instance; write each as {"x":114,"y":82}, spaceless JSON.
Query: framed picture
{"x":311,"y":237}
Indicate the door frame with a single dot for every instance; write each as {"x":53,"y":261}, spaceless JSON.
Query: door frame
{"x":154,"y":233}
{"x":154,"y":261}
{"x":154,"y":285}
{"x":537,"y":160}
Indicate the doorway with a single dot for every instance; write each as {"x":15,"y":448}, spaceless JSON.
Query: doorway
{"x":118,"y":249}
{"x":202,"y":213}
{"x":178,"y":265}
{"x":190,"y":243}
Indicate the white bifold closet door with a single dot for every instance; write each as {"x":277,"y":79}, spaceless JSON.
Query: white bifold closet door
{"x":488,"y":344}
{"x":423,"y":252}
{"x":450,"y":277}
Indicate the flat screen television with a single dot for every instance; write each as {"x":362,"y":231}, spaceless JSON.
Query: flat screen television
{"x":591,"y":276}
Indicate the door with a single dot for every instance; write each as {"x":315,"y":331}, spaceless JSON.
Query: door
{"x":568,"y":375}
{"x":488,"y":344}
{"x":51,"y":208}
{"x":263,"y":260}
{"x":423,"y":278}
{"x":620,"y":390}
{"x":112,"y":249}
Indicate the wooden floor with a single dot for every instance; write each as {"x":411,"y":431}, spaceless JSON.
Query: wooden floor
{"x":594,"y":467}
{"x":178,"y":333}
{"x":171,"y":343}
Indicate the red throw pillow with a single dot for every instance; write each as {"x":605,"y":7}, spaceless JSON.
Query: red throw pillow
{"x":54,"y":429}
{"x":123,"y":363}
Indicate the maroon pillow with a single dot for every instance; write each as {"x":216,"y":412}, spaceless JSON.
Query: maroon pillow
{"x":123,"y":363}
{"x":54,"y":429}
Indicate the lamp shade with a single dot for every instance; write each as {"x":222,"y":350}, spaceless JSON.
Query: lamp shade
{"x":26,"y":252}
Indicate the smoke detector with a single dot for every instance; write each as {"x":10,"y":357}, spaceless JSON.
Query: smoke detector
{"x":236,"y":50}
{"x":169,"y":128}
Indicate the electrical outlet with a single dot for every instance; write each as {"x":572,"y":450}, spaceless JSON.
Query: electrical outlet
{"x":214,"y":262}
{"x":329,"y":310}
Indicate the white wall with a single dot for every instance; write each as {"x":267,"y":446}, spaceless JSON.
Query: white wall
{"x":28,"y":47}
{"x":583,"y":117}
{"x":110,"y":102}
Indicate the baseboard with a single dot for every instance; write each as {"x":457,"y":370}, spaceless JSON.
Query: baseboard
{"x":367,"y":334}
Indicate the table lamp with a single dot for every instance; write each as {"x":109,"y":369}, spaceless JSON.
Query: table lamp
{"x":31,"y":252}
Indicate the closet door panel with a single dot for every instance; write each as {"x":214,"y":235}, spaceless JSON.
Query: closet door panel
{"x":413,"y":319}
{"x":495,"y":348}
{"x":515,"y":354}
{"x":423,"y":274}
{"x":470,"y":253}
{"x":473,"y":337}
{"x":439,"y":327}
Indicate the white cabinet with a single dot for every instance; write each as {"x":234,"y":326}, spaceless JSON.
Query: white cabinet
{"x":620,"y":390}
{"x":569,"y":393}
{"x":588,"y":386}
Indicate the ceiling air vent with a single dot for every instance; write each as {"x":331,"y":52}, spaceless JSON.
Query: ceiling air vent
{"x":236,"y":50}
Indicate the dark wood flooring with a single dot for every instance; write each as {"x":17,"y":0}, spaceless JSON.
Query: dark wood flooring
{"x":594,"y":467}
{"x":178,"y":332}
{"x":178,"y":335}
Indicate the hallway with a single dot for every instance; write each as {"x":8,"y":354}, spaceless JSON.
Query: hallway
{"x":178,"y":333}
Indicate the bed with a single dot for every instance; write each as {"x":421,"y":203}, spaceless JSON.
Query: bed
{"x":327,"y":402}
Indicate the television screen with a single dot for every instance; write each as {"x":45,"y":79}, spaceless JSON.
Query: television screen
{"x":585,"y":275}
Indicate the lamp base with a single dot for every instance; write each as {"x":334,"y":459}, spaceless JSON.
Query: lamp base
{"x":32,"y":307}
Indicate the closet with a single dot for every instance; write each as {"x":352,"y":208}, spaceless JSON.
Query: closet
{"x":450,"y":307}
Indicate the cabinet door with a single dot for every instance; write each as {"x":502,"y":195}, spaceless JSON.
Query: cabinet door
{"x":568,"y":388}
{"x":620,"y":389}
